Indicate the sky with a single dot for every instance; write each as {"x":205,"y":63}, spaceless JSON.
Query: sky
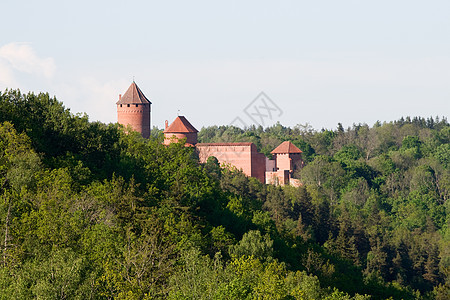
{"x":241,"y":62}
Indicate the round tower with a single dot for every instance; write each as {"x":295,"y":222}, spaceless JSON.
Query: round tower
{"x":133,"y":109}
{"x":178,"y":130}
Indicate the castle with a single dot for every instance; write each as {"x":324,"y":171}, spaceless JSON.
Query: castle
{"x":133,"y":109}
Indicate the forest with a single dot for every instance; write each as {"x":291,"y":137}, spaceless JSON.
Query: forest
{"x":89,"y":212}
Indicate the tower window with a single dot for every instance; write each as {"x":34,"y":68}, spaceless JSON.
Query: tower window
{"x":136,"y":105}
{"x":128,"y":105}
{"x":120,"y":105}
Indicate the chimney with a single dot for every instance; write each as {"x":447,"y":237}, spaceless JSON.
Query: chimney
{"x":120,"y":97}
{"x":167,"y":124}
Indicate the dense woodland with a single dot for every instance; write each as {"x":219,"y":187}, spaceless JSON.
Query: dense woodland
{"x":88,"y":212}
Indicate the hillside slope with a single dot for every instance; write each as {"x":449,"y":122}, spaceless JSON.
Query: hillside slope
{"x":89,"y":212}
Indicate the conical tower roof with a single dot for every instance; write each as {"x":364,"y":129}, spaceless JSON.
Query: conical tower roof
{"x":180,"y":125}
{"x":286,"y":147}
{"x":133,"y":95}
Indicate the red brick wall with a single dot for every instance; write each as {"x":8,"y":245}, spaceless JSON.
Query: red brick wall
{"x":258,"y":165}
{"x":138,"y":117}
{"x":283,"y":161}
{"x":191,"y":138}
{"x":280,"y":177}
{"x":287,"y":161}
{"x":243,"y":156}
{"x":270,"y":165}
{"x":297,"y":161}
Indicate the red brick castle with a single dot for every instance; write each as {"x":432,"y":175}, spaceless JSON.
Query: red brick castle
{"x":133,"y":109}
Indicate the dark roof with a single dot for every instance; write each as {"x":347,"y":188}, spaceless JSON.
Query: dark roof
{"x":286,"y":147}
{"x":180,"y":125}
{"x":133,"y":95}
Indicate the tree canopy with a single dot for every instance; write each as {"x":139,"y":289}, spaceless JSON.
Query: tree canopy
{"x":89,"y":212}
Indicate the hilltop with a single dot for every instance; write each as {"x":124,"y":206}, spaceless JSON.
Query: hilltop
{"x":88,"y":211}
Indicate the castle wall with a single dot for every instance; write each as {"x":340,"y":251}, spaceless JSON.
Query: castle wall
{"x":243,"y":156}
{"x":258,"y":162}
{"x":288,"y":161}
{"x":283,"y":161}
{"x":297,"y":161}
{"x":135,"y":115}
{"x":280,"y":177}
{"x":191,"y":138}
{"x":270,"y":165}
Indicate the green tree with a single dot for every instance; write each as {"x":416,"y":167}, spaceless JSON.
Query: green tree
{"x":254,"y":244}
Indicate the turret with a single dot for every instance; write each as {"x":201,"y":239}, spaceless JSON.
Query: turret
{"x":287,"y":157}
{"x":133,"y":109}
{"x":180,"y":129}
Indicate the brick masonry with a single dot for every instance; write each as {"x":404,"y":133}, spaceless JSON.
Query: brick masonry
{"x":243,"y":156}
{"x":134,"y":109}
{"x":135,"y":115}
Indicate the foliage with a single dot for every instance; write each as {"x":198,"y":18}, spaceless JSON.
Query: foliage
{"x":89,"y":212}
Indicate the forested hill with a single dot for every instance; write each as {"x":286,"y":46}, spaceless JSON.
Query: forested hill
{"x":88,"y":212}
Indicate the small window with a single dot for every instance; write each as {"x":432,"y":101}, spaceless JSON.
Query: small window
{"x":128,"y":105}
{"x":120,"y":105}
{"x":136,"y":105}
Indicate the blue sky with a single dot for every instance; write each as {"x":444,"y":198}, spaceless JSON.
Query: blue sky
{"x":320,"y":62}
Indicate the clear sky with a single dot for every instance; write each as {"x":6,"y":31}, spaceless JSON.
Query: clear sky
{"x":320,"y":62}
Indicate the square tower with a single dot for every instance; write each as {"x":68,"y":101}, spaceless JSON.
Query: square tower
{"x":287,"y":157}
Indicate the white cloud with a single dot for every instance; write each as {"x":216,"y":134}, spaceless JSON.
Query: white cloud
{"x":6,"y":76}
{"x":21,"y":57}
